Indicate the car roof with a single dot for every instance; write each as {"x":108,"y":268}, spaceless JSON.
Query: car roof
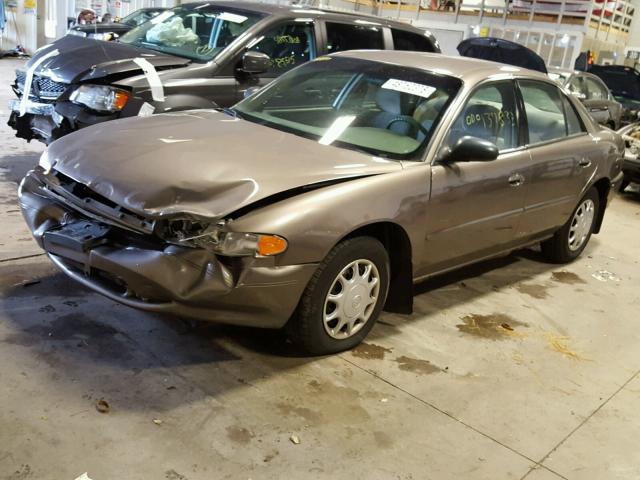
{"x":295,"y":10}
{"x":469,"y":69}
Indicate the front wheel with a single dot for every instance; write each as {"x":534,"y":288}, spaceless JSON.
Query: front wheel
{"x":569,"y":242}
{"x":343,"y":298}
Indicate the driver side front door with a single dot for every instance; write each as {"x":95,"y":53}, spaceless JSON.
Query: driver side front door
{"x":476,"y":206}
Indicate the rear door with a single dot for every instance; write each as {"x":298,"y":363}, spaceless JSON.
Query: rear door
{"x":561,"y":162}
{"x":597,"y":101}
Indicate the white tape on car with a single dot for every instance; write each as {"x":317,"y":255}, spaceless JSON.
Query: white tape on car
{"x":29,"y":80}
{"x":157,"y":90}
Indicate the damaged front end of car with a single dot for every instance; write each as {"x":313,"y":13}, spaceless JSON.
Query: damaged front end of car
{"x":183,"y":265}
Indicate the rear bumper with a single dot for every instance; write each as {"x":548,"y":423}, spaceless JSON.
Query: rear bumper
{"x":168,"y":278}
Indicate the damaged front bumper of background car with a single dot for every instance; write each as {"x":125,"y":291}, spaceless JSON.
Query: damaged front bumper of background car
{"x":63,"y":108}
{"x":178,"y":266}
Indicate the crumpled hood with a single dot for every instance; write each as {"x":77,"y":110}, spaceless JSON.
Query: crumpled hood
{"x":201,"y":162}
{"x":85,"y":59}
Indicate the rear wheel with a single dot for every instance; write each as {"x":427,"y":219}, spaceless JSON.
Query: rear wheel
{"x":569,"y":242}
{"x":343,"y":298}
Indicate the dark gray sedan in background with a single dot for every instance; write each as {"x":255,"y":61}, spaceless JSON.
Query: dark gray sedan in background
{"x":319,"y":201}
{"x":593,"y":93}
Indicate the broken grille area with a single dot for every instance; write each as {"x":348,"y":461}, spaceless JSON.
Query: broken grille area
{"x":41,"y":87}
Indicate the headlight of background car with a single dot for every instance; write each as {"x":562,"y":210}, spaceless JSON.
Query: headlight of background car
{"x":100,"y":97}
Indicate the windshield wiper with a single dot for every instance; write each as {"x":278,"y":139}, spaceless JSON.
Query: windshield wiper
{"x":230,"y":111}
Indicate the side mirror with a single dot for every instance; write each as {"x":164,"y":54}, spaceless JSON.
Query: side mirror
{"x":255,"y":62}
{"x":470,"y":149}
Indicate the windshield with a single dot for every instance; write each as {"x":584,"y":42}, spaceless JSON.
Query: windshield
{"x":139,"y":17}
{"x":386,"y":110}
{"x":198,"y":33}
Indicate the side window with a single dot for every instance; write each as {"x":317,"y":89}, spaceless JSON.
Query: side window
{"x":490,"y":114}
{"x":576,"y":85}
{"x":288,"y":45}
{"x":410,"y":41}
{"x":595,"y":91}
{"x":574,"y":124}
{"x":344,"y":36}
{"x":545,"y":111}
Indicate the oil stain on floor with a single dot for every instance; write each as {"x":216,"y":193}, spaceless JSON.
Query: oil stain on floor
{"x":533,"y":290}
{"x":415,"y":365}
{"x":495,"y":326}
{"x":569,"y":278}
{"x":370,"y":351}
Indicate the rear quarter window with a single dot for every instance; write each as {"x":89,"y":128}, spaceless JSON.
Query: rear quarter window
{"x":345,"y":36}
{"x":403,"y":40}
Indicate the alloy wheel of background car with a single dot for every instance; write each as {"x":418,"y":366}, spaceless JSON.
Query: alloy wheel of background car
{"x":570,"y":240}
{"x":581,"y":224}
{"x":351,"y":299}
{"x":337,"y":294}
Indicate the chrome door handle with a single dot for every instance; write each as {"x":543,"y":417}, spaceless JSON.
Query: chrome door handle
{"x":516,"y":180}
{"x":584,"y":162}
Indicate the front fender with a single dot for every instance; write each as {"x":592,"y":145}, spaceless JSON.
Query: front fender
{"x":314,"y":222}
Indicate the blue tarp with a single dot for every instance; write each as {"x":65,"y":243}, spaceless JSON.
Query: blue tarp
{"x":3,"y":17}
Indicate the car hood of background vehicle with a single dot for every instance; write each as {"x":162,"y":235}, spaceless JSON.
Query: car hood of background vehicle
{"x":82,"y":59}
{"x":201,"y":162}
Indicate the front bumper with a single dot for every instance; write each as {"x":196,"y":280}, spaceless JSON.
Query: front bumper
{"x":148,"y":274}
{"x":49,"y":121}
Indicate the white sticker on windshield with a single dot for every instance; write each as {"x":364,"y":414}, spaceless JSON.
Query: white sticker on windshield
{"x":411,"y":88}
{"x":232,"y":17}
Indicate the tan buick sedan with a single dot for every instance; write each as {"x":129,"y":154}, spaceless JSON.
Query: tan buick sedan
{"x":320,"y":200}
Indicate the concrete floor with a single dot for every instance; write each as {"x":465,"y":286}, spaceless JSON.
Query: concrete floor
{"x":510,"y":369}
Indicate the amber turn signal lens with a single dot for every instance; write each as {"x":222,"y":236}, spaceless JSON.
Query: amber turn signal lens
{"x":271,"y":245}
{"x":120,"y":99}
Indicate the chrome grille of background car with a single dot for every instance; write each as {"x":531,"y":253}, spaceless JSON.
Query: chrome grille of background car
{"x":41,"y":87}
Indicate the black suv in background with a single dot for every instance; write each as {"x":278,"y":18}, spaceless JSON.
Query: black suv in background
{"x":624,"y":83}
{"x":200,"y":55}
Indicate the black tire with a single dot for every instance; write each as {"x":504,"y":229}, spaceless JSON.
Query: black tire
{"x":557,"y":249}
{"x":623,"y":185}
{"x":306,"y":328}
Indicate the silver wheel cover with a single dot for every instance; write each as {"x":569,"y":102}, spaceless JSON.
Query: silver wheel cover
{"x":581,"y":224}
{"x":351,"y":299}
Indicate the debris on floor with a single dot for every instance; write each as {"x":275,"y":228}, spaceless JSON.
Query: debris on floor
{"x":157,"y":421}
{"x":294,"y":439}
{"x":605,"y":276}
{"x":84,"y":476}
{"x":494,"y":326}
{"x":103,"y":406}
{"x":559,"y":343}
